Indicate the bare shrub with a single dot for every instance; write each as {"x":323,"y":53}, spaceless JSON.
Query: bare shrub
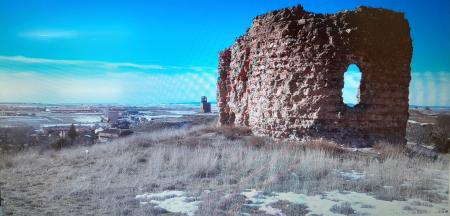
{"x":229,"y":132}
{"x":441,"y":133}
{"x":387,"y":150}
{"x":257,"y":141}
{"x":344,"y":208}
{"x":291,"y":209}
{"x":142,"y":160}
{"x":217,"y":204}
{"x":414,"y":210}
{"x":60,"y":143}
{"x":323,"y":145}
{"x":367,"y":206}
{"x":16,"y":138}
{"x":419,"y":133}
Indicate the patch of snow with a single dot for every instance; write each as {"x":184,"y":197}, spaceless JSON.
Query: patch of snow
{"x":352,"y":175}
{"x":182,"y":112}
{"x":98,"y":130}
{"x":420,"y":123}
{"x":272,"y":211}
{"x":352,"y":149}
{"x":321,"y":204}
{"x":413,"y":122}
{"x":171,"y":201}
{"x":150,"y":117}
{"x":88,"y":119}
{"x":406,"y":184}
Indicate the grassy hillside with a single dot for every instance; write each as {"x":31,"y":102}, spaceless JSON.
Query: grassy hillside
{"x":214,"y":167}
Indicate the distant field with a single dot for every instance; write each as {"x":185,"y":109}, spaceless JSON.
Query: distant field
{"x":46,"y":119}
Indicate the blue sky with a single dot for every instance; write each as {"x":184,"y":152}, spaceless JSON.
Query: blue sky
{"x":163,"y":51}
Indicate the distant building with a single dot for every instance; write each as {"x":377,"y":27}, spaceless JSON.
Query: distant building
{"x":62,"y":131}
{"x":112,"y":116}
{"x":112,"y":133}
{"x":123,"y":124}
{"x":56,"y":131}
{"x":205,"y":106}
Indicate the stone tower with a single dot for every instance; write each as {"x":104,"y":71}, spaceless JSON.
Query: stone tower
{"x":205,"y":106}
{"x":284,"y":77}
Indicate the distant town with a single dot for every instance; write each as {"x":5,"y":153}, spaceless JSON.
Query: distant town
{"x":25,"y":125}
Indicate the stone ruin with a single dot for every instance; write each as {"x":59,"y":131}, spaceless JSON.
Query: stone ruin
{"x":284,"y":77}
{"x":205,"y":106}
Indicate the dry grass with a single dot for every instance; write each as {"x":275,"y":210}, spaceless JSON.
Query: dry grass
{"x":106,"y":180}
{"x":229,"y":132}
{"x":5,"y":161}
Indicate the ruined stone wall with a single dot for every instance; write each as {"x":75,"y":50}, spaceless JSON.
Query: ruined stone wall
{"x":284,"y":77}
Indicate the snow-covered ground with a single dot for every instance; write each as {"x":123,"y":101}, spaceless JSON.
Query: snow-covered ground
{"x":351,"y":175}
{"x":87,"y":118}
{"x":421,"y":123}
{"x":151,"y":117}
{"x":360,"y":203}
{"x":171,"y":201}
{"x":183,"y":112}
{"x":327,"y":203}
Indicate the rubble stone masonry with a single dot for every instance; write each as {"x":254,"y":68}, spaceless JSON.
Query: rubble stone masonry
{"x":284,"y":77}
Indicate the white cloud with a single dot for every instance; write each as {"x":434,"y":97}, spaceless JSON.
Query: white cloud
{"x":352,"y":80}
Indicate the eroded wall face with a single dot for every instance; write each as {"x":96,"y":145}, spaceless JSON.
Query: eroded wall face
{"x":284,"y":77}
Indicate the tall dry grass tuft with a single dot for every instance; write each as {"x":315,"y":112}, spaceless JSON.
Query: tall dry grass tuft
{"x":229,"y":132}
{"x":323,"y":145}
{"x":6,"y":161}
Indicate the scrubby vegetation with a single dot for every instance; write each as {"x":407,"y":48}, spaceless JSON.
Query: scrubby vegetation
{"x":430,"y":130}
{"x":16,"y":138}
{"x":212,"y":163}
{"x":441,"y":134}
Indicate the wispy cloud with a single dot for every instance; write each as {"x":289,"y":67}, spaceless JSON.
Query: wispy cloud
{"x":430,"y":88}
{"x":50,"y":34}
{"x":24,"y":79}
{"x":107,"y":65}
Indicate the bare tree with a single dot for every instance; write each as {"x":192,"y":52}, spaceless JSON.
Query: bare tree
{"x":72,"y":134}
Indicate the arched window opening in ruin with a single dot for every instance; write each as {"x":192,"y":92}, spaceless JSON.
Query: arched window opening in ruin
{"x":352,"y":82}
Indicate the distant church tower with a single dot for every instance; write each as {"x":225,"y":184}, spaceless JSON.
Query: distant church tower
{"x":205,"y":107}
